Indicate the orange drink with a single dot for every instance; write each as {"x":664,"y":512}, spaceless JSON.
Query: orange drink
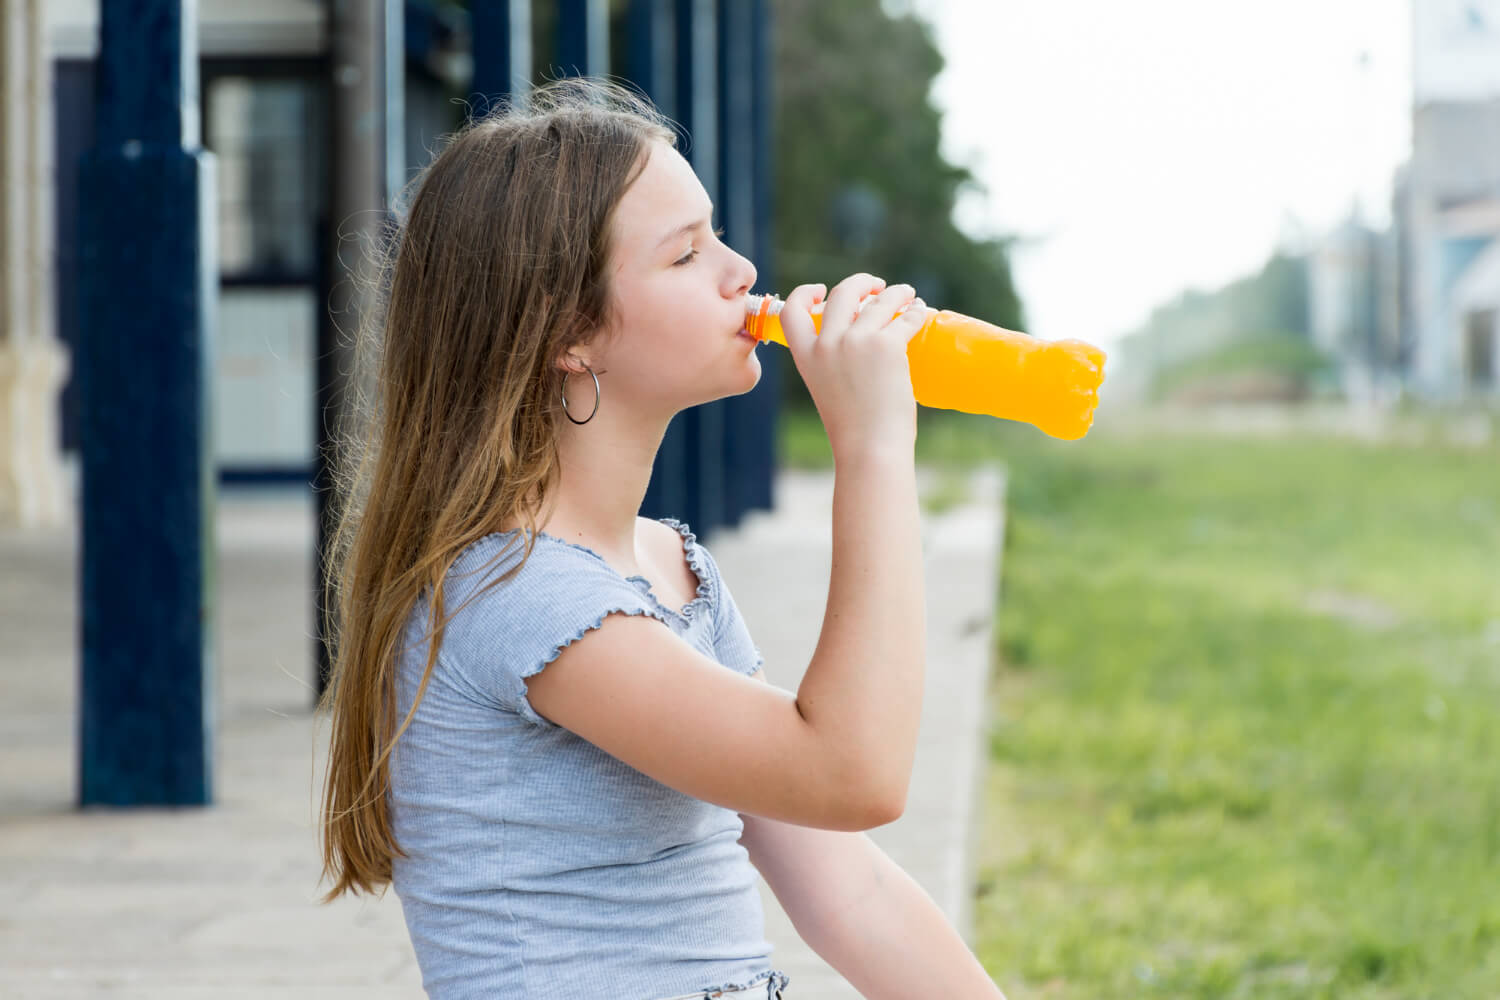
{"x":961,"y":363}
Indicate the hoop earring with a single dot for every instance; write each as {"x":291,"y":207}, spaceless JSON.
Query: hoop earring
{"x":596,"y":395}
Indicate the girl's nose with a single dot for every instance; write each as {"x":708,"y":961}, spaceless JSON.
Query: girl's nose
{"x":742,"y":276}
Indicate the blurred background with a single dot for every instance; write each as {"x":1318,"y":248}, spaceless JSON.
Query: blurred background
{"x":1246,"y":672}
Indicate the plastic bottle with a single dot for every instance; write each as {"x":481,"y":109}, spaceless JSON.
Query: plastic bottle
{"x":961,"y":363}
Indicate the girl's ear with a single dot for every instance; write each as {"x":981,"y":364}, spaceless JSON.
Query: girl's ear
{"x":586,"y":342}
{"x":573,"y":364}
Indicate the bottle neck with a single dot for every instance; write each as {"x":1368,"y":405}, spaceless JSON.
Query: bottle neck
{"x":763,"y":317}
{"x":757,"y":309}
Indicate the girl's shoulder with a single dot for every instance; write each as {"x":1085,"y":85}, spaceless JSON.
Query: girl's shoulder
{"x":495,"y":590}
{"x":491,"y":558}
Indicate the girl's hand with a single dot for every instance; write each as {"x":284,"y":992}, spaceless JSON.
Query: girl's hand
{"x":856,"y":369}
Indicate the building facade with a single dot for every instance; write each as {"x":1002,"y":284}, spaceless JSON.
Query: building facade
{"x":1447,"y":204}
{"x":264,"y":108}
{"x":264,"y":102}
{"x":1353,"y":281}
{"x":34,"y":362}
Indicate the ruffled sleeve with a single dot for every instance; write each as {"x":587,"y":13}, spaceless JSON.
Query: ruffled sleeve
{"x":513,"y":630}
{"x":733,"y":645}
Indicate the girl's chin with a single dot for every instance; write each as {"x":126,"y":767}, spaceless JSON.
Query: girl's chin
{"x":755,"y":366}
{"x":749,"y":378}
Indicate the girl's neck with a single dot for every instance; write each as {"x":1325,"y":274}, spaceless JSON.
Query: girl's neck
{"x":605,"y":470}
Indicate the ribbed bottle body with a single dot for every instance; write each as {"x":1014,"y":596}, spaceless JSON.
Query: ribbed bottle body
{"x":965,"y":364}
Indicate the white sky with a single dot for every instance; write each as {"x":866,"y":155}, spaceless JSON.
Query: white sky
{"x":1147,"y":147}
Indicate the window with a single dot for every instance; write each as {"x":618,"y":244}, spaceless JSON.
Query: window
{"x":267,"y":133}
{"x":1479,"y":339}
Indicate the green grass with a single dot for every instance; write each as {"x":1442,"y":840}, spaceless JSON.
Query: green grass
{"x":1245,"y":717}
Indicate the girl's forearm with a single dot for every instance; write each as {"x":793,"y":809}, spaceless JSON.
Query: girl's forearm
{"x":862,"y":692}
{"x":894,"y":943}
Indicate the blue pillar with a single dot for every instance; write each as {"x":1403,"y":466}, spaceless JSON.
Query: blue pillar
{"x":500,"y":33}
{"x":766,"y":399}
{"x":697,"y":83}
{"x":697,"y":112}
{"x":745,"y":464}
{"x":736,"y":201}
{"x":653,"y":70}
{"x":583,"y":37}
{"x":148,"y":280}
{"x":652,"y":67}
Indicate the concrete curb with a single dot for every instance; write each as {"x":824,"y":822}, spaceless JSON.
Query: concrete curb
{"x":778,"y":569}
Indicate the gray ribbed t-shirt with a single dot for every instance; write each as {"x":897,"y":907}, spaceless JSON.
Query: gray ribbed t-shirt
{"x":538,"y":865}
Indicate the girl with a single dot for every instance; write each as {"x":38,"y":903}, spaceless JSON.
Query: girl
{"x":550,"y":730}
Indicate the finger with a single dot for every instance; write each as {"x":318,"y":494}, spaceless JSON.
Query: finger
{"x":796,"y":316}
{"x":843,"y":301}
{"x":878,"y":313}
{"x":914,"y":320}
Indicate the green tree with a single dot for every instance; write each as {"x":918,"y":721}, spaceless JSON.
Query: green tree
{"x":1258,"y":323}
{"x":1196,"y":322}
{"x":861,"y":184}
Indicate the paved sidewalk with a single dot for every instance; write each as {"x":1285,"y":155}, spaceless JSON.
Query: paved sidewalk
{"x":220,"y":902}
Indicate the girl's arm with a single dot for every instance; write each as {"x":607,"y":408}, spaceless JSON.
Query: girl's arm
{"x":863,"y":914}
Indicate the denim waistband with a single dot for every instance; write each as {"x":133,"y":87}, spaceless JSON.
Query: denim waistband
{"x":771,"y":984}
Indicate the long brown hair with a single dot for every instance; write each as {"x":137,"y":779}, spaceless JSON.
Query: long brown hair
{"x":498,"y":267}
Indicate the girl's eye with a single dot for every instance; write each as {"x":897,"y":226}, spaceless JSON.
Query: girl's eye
{"x":687,"y":258}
